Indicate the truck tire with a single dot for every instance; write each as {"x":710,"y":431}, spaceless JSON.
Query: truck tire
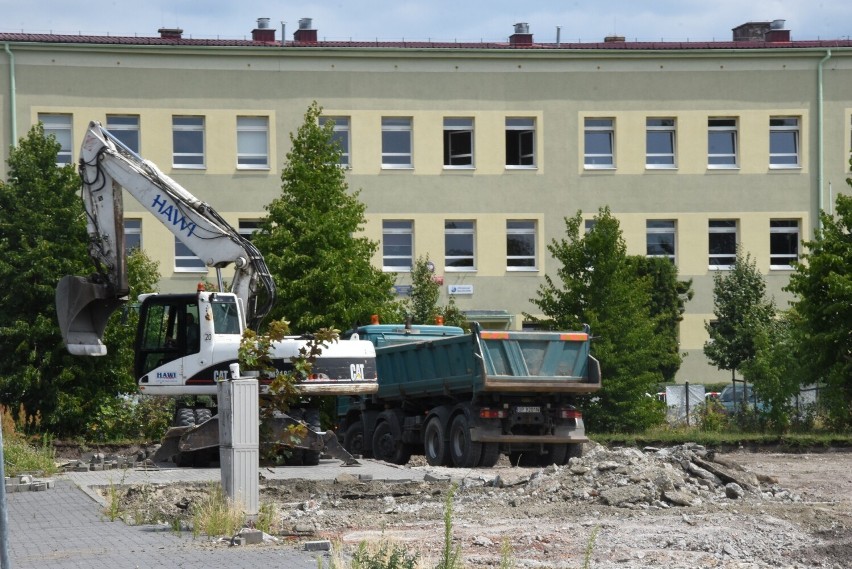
{"x":353,"y":439}
{"x":575,"y":450}
{"x":557,"y":454}
{"x":387,"y":448}
{"x":464,"y":452}
{"x":490,"y":455}
{"x":435,"y":443}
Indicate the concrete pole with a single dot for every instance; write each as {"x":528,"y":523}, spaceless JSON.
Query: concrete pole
{"x":239,"y":441}
{"x":4,"y":513}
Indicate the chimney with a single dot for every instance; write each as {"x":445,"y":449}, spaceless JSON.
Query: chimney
{"x":170,"y":33}
{"x":614,"y":39}
{"x":263,"y":32}
{"x":305,"y":34}
{"x":777,"y":32}
{"x":522,"y":35}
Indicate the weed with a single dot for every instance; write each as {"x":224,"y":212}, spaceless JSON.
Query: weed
{"x":449,"y":555}
{"x":216,"y":515}
{"x":590,"y":547}
{"x":266,"y":518}
{"x":507,"y":557}
{"x":386,"y":556}
{"x":113,"y":508}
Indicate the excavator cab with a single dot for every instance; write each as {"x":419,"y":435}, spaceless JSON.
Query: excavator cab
{"x":168,"y":330}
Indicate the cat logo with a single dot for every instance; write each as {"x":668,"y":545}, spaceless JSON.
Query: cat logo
{"x":356,"y":372}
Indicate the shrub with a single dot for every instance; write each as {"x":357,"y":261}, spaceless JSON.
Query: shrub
{"x":131,"y":417}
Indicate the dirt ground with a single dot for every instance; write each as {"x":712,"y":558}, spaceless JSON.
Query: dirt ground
{"x":798,"y":515}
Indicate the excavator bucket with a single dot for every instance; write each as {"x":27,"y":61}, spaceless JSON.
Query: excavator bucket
{"x":83,"y":308}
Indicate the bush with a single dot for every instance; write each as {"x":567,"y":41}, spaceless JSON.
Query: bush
{"x":19,"y":456}
{"x":131,"y":417}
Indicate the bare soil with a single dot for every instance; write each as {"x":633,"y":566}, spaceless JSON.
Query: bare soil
{"x":798,"y":515}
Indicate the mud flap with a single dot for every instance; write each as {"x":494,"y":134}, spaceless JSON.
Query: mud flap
{"x":83,"y":309}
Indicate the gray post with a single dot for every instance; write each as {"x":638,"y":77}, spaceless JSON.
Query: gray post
{"x":239,"y":440}
{"x":687,"y":403}
{"x":4,"y":513}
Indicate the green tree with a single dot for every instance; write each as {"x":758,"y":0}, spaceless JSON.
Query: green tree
{"x":596,"y":284}
{"x":742,"y":314}
{"x":310,"y":239}
{"x":422,"y":303}
{"x":822,"y":284}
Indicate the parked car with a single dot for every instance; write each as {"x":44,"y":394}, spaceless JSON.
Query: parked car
{"x":733,"y":397}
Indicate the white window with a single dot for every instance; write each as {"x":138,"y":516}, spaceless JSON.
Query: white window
{"x":721,"y":142}
{"x":132,"y":234}
{"x":660,"y":143}
{"x":458,"y":143}
{"x":783,"y":142}
{"x":589,"y":225}
{"x":247,"y":227}
{"x":186,"y":261}
{"x":188,"y":142}
{"x":397,"y":245}
{"x":520,"y":142}
{"x":60,"y":127}
{"x":599,"y":143}
{"x":340,"y":135}
{"x":723,"y":243}
{"x":126,"y":129}
{"x":660,"y":238}
{"x":783,"y":243}
{"x":397,"y":142}
{"x":520,"y":245}
{"x":252,"y":143}
{"x":459,"y":246}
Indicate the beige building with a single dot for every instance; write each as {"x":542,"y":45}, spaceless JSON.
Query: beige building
{"x":473,"y":154}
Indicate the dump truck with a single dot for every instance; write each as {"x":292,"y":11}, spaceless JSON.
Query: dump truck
{"x":463,"y":399}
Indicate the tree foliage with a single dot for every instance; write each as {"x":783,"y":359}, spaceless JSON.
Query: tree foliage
{"x":310,"y":239}
{"x":42,"y":238}
{"x":597,"y":285}
{"x":823,"y":286}
{"x":422,"y":304}
{"x":742,"y":315}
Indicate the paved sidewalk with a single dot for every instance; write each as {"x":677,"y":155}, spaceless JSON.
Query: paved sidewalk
{"x":64,"y":527}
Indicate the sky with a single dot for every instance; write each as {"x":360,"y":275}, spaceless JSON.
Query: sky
{"x":437,"y":20}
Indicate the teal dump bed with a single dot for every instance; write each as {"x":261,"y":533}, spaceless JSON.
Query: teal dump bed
{"x":442,"y":360}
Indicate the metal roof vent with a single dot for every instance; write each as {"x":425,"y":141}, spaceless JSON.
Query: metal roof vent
{"x":305,"y":23}
{"x":522,"y":28}
{"x":305,"y":33}
{"x":777,"y":24}
{"x":262,"y":23}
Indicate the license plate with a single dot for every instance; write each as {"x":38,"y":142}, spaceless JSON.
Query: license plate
{"x":528,"y":409}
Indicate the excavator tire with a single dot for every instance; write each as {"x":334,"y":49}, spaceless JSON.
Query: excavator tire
{"x":184,"y":417}
{"x":312,"y":418}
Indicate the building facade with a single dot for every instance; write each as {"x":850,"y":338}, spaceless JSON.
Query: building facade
{"x":473,"y":154}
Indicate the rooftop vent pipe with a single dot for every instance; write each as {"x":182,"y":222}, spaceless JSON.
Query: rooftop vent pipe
{"x":522,"y":35}
{"x":263,"y":32}
{"x":305,"y":34}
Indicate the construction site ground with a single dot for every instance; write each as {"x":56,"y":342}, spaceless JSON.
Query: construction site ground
{"x":683,"y":507}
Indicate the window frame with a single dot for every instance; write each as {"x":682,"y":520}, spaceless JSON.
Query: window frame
{"x":132,"y":227}
{"x":722,"y":230}
{"x":671,"y":130}
{"x":784,"y":230}
{"x":118,"y":128}
{"x":655,"y":227}
{"x":342,"y":134}
{"x":396,"y":125}
{"x":523,"y":129}
{"x":524,"y":228}
{"x":597,"y":126}
{"x":61,"y":126}
{"x":735,"y":136}
{"x":776,"y":130}
{"x":244,"y":133}
{"x":190,"y":267}
{"x":403,"y":227}
{"x":188,"y":128}
{"x":248,"y":227}
{"x":454,"y":128}
{"x":450,"y":233}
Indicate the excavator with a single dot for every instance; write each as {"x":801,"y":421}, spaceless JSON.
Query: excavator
{"x":185,"y":343}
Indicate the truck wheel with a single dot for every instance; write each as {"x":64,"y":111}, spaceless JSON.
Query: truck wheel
{"x":490,"y":455}
{"x":575,"y":450}
{"x":312,"y":418}
{"x":353,"y":439}
{"x":464,"y":452}
{"x":387,"y":448}
{"x":557,"y":454}
{"x":434,"y":443}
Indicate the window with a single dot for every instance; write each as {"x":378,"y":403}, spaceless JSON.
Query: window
{"x":132,"y":234}
{"x":783,"y":243}
{"x":397,"y":245}
{"x":60,"y":127}
{"x":252,"y":143}
{"x":598,"y":138}
{"x":396,"y":142}
{"x":589,"y":225}
{"x":458,"y":143}
{"x":188,"y":142}
{"x":723,"y":243}
{"x":520,"y":245}
{"x":520,"y":142}
{"x":340,"y":135}
{"x":186,"y":261}
{"x":783,"y":142}
{"x":721,"y":143}
{"x":126,"y":129}
{"x":660,"y":238}
{"x":660,"y":143}
{"x":247,"y":227}
{"x":458,"y":246}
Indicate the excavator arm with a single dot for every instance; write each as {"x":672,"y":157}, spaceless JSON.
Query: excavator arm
{"x":84,"y":304}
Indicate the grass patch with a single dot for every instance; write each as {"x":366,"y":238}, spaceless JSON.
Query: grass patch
{"x":20,"y":457}
{"x":217,"y":515}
